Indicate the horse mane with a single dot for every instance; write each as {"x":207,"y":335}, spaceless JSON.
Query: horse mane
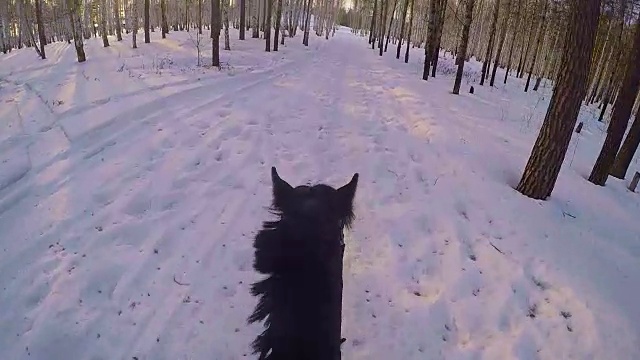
{"x":300,"y":298}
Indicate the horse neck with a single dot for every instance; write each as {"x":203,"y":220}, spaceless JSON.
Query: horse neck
{"x":309,"y":298}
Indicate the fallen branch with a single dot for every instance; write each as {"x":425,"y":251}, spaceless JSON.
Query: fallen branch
{"x":567,"y":214}
{"x":495,"y":247}
{"x":178,"y":282}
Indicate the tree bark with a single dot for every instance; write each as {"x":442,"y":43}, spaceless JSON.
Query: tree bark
{"x":620,"y":117}
{"x":277,"y":29}
{"x":215,"y":33}
{"x":103,"y":23}
{"x":243,"y":18}
{"x":225,"y":15}
{"x":404,"y":20}
{"x":147,"y":35}
{"x":503,"y":36}
{"x":513,"y":41}
{"x":406,"y":53}
{"x":628,"y":150}
{"x":372,"y":37}
{"x":116,"y":11}
{"x":492,"y":35}
{"x":464,"y":43}
{"x":429,"y":46}
{"x":267,"y":27}
{"x":76,"y":29}
{"x":539,"y":38}
{"x":41,"y":36}
{"x":543,"y":167}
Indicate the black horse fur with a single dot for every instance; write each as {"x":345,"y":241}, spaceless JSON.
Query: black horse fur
{"x":300,"y":300}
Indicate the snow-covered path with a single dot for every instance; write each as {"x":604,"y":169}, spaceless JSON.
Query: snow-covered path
{"x":129,"y":234}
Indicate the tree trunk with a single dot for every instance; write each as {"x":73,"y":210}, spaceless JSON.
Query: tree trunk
{"x":372,"y":37}
{"x":404,"y":20}
{"x":428,"y":48}
{"x":134,"y":24}
{"x":277,"y":30}
{"x":503,"y":36}
{"x":386,"y":44}
{"x":464,"y":43}
{"x":41,"y":36}
{"x":628,"y":150}
{"x":267,"y":26}
{"x":243,"y":18}
{"x":543,"y":167}
{"x":200,"y":17}
{"x":147,"y":35}
{"x":76,"y":29}
{"x":163,"y":14}
{"x":406,"y":53}
{"x":225,"y":15}
{"x":103,"y":22}
{"x":620,"y":117}
{"x":305,"y":38}
{"x":116,"y":11}
{"x":536,"y":49}
{"x":442,"y":8}
{"x":513,"y":41}
{"x":215,"y":33}
{"x":492,"y":35}
{"x":255,"y":27}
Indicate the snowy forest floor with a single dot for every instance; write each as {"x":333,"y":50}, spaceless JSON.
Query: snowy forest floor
{"x":131,"y":186}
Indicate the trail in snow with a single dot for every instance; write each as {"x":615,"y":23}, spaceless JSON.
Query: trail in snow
{"x":128,"y":220}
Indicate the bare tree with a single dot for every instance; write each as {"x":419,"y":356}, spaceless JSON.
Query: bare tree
{"x":134,"y":24}
{"x":164,"y":25}
{"x":503,"y":36}
{"x":464,"y":43}
{"x":492,"y":35}
{"x":243,"y":16}
{"x":277,"y":29}
{"x":215,"y":33}
{"x":73,"y":7}
{"x":225,"y":15}
{"x":103,"y":23}
{"x":147,"y":35}
{"x":539,"y":38}
{"x":116,"y":11}
{"x":41,"y":36}
{"x":620,"y":117}
{"x":543,"y":167}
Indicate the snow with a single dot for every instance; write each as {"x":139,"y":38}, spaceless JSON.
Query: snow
{"x":131,"y":187}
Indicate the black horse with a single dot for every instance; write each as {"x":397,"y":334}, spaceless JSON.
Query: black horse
{"x":301,"y":252}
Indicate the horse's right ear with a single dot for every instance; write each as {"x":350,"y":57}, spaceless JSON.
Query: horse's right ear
{"x":281,"y":189}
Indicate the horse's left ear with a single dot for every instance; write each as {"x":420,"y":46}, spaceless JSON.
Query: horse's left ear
{"x":347,"y":193}
{"x":281,"y":189}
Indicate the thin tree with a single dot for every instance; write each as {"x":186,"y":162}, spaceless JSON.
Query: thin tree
{"x":372,"y":36}
{"x":542,"y":169}
{"x":225,"y":15}
{"x":539,"y":38}
{"x":163,"y":15}
{"x":492,"y":35}
{"x":267,"y":27}
{"x":243,"y":18}
{"x":76,"y":28}
{"x":147,"y":35}
{"x":277,"y":29}
{"x":134,"y":24}
{"x":200,"y":17}
{"x":503,"y":36}
{"x":628,"y":149}
{"x":215,"y":33}
{"x":464,"y":43}
{"x":404,"y":18}
{"x":116,"y":11}
{"x":513,"y":40}
{"x":41,"y":36}
{"x":406,"y":53}
{"x":103,"y":22}
{"x":305,"y":37}
{"x":620,"y":116}
{"x":428,"y":48}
